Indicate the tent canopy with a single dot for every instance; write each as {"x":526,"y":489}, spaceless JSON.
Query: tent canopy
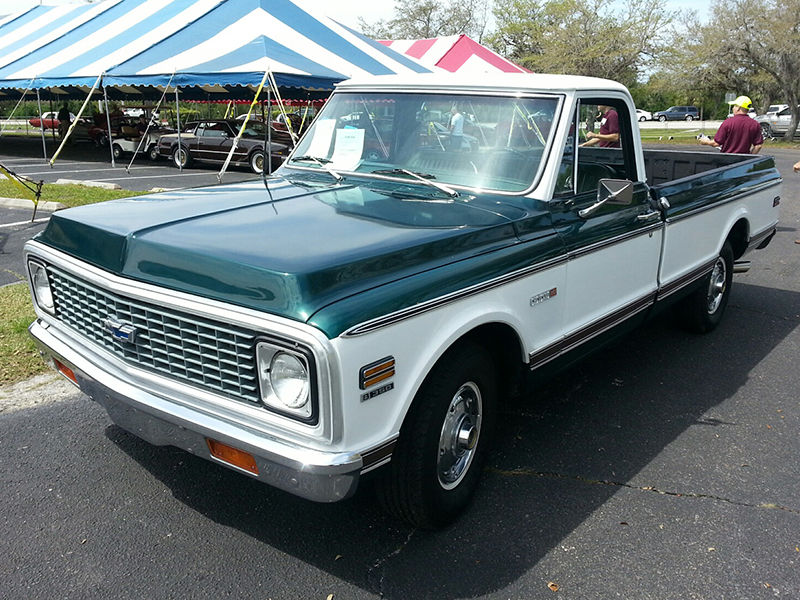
{"x":220,"y":43}
{"x":455,"y":53}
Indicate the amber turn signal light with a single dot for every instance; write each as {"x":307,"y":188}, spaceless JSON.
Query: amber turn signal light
{"x":66,"y":371}
{"x":233,"y":456}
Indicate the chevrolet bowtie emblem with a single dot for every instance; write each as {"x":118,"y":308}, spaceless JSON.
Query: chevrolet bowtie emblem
{"x":120,"y":331}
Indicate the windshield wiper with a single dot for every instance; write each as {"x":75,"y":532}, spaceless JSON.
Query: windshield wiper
{"x":322,"y":162}
{"x":423,"y":177}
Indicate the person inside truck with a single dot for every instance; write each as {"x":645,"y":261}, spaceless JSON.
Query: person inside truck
{"x":740,"y":134}
{"x":609,"y":130}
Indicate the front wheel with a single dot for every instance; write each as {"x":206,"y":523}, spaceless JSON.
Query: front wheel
{"x":437,"y":462}
{"x":117,"y":150}
{"x":257,"y":162}
{"x":702,"y":311}
{"x":766,"y":130}
{"x":662,"y":118}
{"x":642,"y":119}
{"x":152,"y":152}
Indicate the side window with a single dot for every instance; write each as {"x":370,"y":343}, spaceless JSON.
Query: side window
{"x":606,"y":149}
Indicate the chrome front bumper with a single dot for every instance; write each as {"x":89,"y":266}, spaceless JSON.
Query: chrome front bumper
{"x":159,"y":420}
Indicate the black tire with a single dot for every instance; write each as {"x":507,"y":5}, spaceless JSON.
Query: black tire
{"x":702,"y":311}
{"x":152,"y":152}
{"x":766,"y":130}
{"x":181,"y":157}
{"x":689,"y":118}
{"x":642,"y":119}
{"x":662,"y":118}
{"x":102,"y":141}
{"x":257,"y":162}
{"x":117,"y":150}
{"x":438,"y":460}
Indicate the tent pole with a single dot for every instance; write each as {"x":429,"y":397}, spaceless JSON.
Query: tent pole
{"x":178,"y":119}
{"x":108,"y":123}
{"x":41,"y":122}
{"x":50,"y":94}
{"x":268,"y":147}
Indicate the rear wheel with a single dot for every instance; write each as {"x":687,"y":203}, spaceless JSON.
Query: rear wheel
{"x":152,"y":152}
{"x":766,"y":130}
{"x":181,"y":157}
{"x":689,"y":118}
{"x":257,"y":162}
{"x":702,"y":311}
{"x":118,"y":151}
{"x":439,"y":457}
{"x":102,"y":140}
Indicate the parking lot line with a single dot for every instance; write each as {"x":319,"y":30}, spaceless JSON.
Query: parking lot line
{"x":24,"y":222}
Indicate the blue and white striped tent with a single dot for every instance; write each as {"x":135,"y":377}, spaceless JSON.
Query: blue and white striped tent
{"x":211,"y":44}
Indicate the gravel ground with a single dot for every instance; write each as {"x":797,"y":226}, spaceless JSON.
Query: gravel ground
{"x":41,"y":390}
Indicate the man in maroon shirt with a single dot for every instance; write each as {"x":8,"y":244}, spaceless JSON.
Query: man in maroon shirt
{"x":609,"y":130}
{"x":740,"y":134}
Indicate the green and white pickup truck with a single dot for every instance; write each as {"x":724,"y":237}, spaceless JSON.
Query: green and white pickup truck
{"x":431,"y":243}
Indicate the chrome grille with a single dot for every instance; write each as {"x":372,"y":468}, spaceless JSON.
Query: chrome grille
{"x":210,"y":354}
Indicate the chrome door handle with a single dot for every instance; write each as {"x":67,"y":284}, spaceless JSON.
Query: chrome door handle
{"x":649,"y":215}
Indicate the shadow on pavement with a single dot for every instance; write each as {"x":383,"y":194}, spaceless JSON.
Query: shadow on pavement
{"x":602,"y":421}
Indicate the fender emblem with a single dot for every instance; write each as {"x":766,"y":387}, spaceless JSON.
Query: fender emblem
{"x":122,"y":332}
{"x":544,"y":296}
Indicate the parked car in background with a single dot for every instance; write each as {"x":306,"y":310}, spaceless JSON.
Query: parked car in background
{"x":643,"y":115}
{"x":50,"y":120}
{"x":211,"y":141}
{"x":130,"y":142}
{"x":752,"y":113}
{"x":775,"y":124}
{"x":775,"y":108}
{"x":678,"y":113}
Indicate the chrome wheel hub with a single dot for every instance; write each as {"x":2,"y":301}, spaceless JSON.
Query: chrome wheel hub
{"x":716,"y":287}
{"x":461,"y":430}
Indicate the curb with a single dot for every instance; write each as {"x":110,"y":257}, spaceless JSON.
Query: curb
{"x":22,"y":203}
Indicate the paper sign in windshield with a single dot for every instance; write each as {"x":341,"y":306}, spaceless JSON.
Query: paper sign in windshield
{"x":348,"y":149}
{"x":320,"y":146}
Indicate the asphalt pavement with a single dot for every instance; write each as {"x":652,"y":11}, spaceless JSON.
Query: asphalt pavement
{"x":86,"y":162}
{"x":664,"y":467}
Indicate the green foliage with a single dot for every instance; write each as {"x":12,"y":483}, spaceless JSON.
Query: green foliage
{"x":19,"y":359}
{"x":581,"y":37}
{"x":423,"y":19}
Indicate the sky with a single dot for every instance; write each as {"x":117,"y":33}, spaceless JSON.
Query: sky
{"x":346,"y":13}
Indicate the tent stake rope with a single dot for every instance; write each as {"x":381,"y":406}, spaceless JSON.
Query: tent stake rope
{"x":41,"y":123}
{"x":75,"y":122}
{"x":2,"y":131}
{"x":149,"y":124}
{"x":267,"y":152}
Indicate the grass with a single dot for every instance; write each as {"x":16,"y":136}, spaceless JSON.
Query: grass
{"x":69,"y":195}
{"x":19,"y":359}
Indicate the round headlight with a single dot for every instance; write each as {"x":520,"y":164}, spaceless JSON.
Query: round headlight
{"x":289,"y":379}
{"x":41,"y":287}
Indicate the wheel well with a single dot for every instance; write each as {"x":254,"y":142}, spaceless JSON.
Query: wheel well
{"x":503,"y":344}
{"x":738,"y":238}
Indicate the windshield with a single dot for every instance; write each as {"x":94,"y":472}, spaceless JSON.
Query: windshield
{"x":487,"y":142}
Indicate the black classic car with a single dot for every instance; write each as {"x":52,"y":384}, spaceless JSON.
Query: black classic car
{"x":211,"y":141}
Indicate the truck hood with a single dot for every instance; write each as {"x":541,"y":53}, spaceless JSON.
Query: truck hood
{"x":290,"y":249}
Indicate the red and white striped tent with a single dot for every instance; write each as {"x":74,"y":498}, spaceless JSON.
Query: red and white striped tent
{"x":455,"y":53}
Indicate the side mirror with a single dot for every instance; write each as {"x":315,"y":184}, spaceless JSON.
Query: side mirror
{"x":611,"y":191}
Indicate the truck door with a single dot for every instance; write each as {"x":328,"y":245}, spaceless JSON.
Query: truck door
{"x":602,"y":211}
